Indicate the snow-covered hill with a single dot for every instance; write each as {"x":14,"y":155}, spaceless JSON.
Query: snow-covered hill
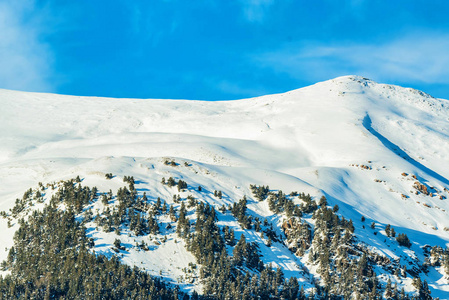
{"x":375,"y":150}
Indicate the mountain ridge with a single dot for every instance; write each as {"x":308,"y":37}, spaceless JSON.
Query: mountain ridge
{"x":374,"y":150}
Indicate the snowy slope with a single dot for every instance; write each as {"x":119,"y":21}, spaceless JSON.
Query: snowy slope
{"x":362,"y":144}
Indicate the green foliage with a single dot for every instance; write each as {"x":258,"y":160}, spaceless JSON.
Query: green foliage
{"x":171,"y":182}
{"x":323,"y":201}
{"x":422,"y":289}
{"x":259,"y":192}
{"x":182,"y":185}
{"x":227,"y":277}
{"x":346,"y":267}
{"x":309,"y":205}
{"x":247,"y":254}
{"x":403,"y":240}
{"x":183,"y":228}
{"x":388,"y":230}
{"x":239,"y":212}
{"x":129,"y":179}
{"x":170,"y":163}
{"x":51,"y":260}
{"x":229,"y":236}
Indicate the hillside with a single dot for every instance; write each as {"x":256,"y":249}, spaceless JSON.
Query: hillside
{"x":378,"y":152}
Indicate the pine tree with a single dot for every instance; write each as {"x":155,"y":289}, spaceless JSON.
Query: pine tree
{"x":387,"y":230}
{"x":239,"y":251}
{"x":171,"y":182}
{"x":388,"y":290}
{"x":403,"y":240}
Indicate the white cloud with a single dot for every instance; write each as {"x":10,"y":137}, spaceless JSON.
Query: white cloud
{"x":255,"y":10}
{"x":416,"y":59}
{"x":24,"y":59}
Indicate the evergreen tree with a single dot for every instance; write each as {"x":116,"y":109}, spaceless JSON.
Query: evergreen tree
{"x":387,"y":230}
{"x":403,"y":240}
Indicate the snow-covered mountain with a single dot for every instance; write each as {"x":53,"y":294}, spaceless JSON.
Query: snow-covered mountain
{"x":379,"y":152}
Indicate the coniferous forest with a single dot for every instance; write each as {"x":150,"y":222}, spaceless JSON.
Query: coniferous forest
{"x":53,"y":257}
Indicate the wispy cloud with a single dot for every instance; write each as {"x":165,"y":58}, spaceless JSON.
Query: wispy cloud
{"x":24,"y":59}
{"x":150,"y":26}
{"x":255,"y":10}
{"x":419,"y":58}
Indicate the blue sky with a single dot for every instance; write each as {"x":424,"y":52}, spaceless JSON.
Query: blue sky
{"x":222,"y":49}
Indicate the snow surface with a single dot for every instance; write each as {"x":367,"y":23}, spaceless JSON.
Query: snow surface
{"x":349,"y":138}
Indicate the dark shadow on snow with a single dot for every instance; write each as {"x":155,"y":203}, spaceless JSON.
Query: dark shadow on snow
{"x":401,"y":153}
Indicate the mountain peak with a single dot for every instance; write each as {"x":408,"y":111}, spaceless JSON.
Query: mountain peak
{"x":351,"y":78}
{"x":375,"y":151}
